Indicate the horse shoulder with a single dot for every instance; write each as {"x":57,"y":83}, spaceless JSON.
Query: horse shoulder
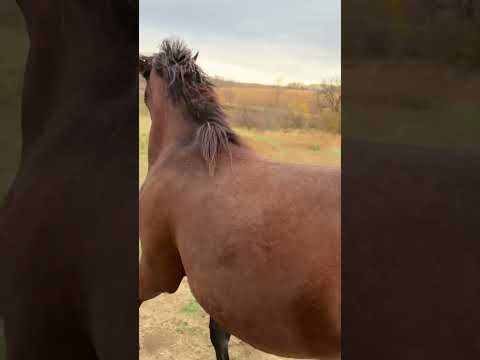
{"x":160,"y":259}
{"x":153,"y":214}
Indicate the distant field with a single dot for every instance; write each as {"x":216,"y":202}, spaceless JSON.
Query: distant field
{"x":440,"y":108}
{"x":288,"y":145}
{"x":284,"y":98}
{"x":273,"y":108}
{"x":175,"y":326}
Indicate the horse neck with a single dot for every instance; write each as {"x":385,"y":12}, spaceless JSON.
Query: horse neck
{"x":70,"y":60}
{"x":168,"y":128}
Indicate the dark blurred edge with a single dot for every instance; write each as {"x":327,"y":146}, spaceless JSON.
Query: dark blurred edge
{"x":13,"y":54}
{"x":14,"y":42}
{"x":410,"y":176}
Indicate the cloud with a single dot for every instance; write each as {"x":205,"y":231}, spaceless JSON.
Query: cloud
{"x":251,"y":40}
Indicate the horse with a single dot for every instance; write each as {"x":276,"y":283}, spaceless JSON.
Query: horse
{"x":258,"y":241}
{"x":69,"y":224}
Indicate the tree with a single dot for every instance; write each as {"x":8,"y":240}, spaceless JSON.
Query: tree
{"x":296,"y":85}
{"x":331,"y":93}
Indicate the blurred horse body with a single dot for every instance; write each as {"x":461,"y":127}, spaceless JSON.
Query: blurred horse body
{"x":69,"y":225}
{"x":259,"y":241}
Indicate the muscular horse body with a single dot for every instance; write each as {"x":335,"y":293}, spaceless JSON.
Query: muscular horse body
{"x":259,"y":241}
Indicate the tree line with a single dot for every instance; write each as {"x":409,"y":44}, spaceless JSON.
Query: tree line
{"x":446,"y":31}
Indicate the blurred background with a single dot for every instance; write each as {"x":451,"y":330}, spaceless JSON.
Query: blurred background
{"x":413,"y":71}
{"x":276,"y":67}
{"x":14,"y":42}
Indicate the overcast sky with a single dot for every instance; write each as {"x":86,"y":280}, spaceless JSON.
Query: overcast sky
{"x":251,"y":40}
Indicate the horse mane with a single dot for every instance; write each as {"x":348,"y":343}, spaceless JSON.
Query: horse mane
{"x":187,"y":83}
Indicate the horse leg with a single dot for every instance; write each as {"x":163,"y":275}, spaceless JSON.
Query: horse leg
{"x":219,"y":339}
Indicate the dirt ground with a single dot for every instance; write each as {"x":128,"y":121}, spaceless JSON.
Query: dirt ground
{"x":174,"y":327}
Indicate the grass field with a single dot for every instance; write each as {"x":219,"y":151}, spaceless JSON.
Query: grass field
{"x":274,"y":107}
{"x":441,"y":107}
{"x":175,"y":326}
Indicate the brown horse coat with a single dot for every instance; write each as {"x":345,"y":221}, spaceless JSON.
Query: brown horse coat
{"x":259,"y":241}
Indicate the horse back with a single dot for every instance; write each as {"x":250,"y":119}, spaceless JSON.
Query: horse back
{"x":272,"y":245}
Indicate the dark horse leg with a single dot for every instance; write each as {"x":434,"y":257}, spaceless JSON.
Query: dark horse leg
{"x":219,"y":339}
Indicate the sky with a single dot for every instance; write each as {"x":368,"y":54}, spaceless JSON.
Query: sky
{"x":260,"y":41}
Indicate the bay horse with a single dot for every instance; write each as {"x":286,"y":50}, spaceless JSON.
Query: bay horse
{"x":69,"y":225}
{"x":259,"y":241}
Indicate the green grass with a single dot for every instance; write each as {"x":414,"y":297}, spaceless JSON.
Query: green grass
{"x":452,"y":124}
{"x":430,"y":105}
{"x":191,"y":308}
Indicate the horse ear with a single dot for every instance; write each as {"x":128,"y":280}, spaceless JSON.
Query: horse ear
{"x":195,"y":57}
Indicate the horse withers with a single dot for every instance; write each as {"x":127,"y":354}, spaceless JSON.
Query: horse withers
{"x":259,"y":241}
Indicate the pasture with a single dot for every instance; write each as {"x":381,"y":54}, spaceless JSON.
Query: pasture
{"x":440,"y":108}
{"x":175,"y":326}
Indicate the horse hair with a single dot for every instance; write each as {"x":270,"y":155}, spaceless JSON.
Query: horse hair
{"x":187,"y":83}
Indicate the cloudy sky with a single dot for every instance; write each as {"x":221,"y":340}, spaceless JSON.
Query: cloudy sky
{"x":251,"y":40}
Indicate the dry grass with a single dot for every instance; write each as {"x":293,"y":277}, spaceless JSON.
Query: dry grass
{"x":297,"y":146}
{"x":288,"y":145}
{"x":289,"y":99}
{"x":271,"y":107}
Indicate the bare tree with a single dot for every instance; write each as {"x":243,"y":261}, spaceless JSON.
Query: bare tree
{"x":331,"y":94}
{"x":296,"y":85}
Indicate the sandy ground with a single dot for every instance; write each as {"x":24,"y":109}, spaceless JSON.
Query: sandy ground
{"x":176,"y":327}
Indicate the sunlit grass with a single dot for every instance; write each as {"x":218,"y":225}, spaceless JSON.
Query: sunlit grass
{"x":314,"y":147}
